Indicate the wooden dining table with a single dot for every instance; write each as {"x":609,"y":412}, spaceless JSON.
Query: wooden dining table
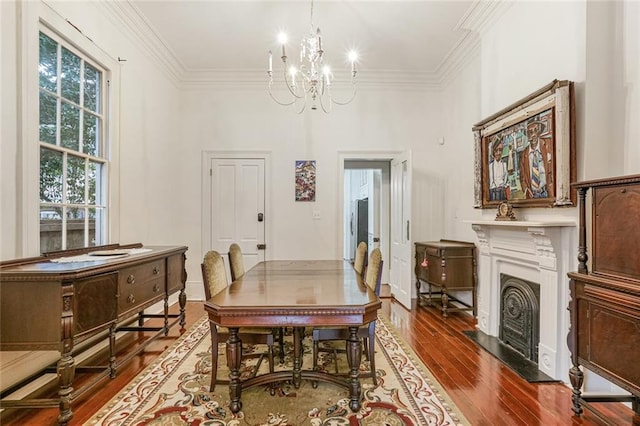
{"x":296,"y":294}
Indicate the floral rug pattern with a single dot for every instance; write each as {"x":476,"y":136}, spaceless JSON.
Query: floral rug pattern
{"x":174,"y":390}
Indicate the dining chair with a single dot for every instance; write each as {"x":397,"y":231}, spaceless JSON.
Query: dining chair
{"x":236,"y":263}
{"x":373,"y":278}
{"x":236,"y":268}
{"x":214,"y":278}
{"x":359,"y":262}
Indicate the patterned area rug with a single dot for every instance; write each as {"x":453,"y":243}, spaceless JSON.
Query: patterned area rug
{"x":174,"y":390}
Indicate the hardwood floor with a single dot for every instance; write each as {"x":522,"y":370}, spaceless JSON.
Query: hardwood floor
{"x":484,"y":389}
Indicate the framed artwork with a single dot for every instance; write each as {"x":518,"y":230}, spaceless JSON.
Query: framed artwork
{"x":305,"y":180}
{"x":525,"y":154}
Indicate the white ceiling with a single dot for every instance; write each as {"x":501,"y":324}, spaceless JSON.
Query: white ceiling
{"x":394,"y":35}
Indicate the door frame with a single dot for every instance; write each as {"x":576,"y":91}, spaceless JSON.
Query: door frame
{"x":207,"y":157}
{"x":361,"y":156}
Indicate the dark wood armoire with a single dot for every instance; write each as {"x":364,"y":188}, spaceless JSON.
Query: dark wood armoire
{"x":605,"y":291}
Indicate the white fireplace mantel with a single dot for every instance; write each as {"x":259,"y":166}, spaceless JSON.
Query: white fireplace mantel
{"x":538,"y":251}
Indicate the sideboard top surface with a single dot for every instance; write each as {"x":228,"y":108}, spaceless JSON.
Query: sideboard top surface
{"x":445,"y":243}
{"x":45,"y":267}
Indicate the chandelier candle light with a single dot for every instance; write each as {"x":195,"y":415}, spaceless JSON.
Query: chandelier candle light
{"x":310,"y":80}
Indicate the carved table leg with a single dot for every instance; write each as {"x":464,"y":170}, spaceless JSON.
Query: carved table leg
{"x":445,"y":304}
{"x":182,"y":299}
{"x":234,"y":357}
{"x":576,"y":377}
{"x":354,"y":353}
{"x":66,"y":367}
{"x":112,"y":351}
{"x":297,"y":356}
{"x":66,"y":371}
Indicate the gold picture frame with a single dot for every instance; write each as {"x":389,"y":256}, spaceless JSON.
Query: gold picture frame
{"x":525,"y":153}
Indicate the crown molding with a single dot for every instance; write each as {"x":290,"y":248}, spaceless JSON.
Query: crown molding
{"x":137,"y":28}
{"x":481,"y":15}
{"x":367,"y":80}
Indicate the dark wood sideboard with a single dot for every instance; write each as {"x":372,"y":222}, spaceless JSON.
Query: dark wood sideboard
{"x":605,"y":302}
{"x":446,"y":266}
{"x":50,"y":305}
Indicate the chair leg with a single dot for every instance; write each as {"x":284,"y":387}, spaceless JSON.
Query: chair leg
{"x":281,"y":344}
{"x":316,"y":348}
{"x":214,"y":357}
{"x":372,"y":359}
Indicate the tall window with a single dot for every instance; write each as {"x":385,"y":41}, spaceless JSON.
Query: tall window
{"x":73,"y":162}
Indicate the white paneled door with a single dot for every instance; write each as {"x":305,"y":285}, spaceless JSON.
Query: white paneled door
{"x":401,"y":279}
{"x":238,"y":207}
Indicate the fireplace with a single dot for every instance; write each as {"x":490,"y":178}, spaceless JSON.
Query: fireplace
{"x":526,"y":252}
{"x":520,"y":315}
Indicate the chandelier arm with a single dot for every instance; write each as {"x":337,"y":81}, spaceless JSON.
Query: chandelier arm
{"x":324,"y":108}
{"x":342,"y":103}
{"x":286,"y":82}
{"x":278,"y":101}
{"x":322,"y":97}
{"x":304,"y":105}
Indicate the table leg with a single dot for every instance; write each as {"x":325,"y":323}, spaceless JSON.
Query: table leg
{"x":234,"y":357}
{"x":354,"y":353}
{"x":298,"y":333}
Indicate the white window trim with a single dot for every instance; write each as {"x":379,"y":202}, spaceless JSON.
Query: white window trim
{"x":32,"y":15}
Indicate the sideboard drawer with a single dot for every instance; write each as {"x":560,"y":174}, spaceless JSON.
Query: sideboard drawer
{"x":140,"y":285}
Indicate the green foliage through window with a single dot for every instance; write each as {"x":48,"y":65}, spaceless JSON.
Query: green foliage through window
{"x":73,"y":166}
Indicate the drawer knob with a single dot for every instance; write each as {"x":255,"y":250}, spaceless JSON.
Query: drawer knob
{"x":131,"y":299}
{"x":131,"y":279}
{"x":156,"y":288}
{"x":156,"y":270}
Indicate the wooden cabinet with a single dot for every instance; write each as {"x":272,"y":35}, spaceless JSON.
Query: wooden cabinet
{"x":446,"y":266}
{"x":57,"y":301}
{"x":605,"y":302}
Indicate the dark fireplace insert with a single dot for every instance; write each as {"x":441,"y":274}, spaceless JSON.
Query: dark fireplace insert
{"x":520,"y":315}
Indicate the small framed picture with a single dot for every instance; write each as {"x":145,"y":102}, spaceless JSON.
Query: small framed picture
{"x":305,"y":180}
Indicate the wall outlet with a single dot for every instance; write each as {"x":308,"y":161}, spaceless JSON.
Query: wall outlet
{"x":316,"y":214}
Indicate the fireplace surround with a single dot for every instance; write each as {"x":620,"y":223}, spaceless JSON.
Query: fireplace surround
{"x":541,"y":252}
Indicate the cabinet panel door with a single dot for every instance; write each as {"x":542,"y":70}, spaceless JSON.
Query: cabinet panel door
{"x":98,"y":292}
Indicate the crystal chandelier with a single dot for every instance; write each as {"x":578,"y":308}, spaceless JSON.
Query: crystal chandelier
{"x":310,"y":80}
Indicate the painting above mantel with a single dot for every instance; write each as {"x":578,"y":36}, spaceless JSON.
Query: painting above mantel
{"x":525,"y":153}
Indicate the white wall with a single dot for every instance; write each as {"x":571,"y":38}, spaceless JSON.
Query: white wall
{"x":216,"y":119}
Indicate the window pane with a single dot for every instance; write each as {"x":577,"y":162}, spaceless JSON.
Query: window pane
{"x":93,"y":178}
{"x":75,"y":228}
{"x":48,"y":113}
{"x":48,"y":68}
{"x":70,"y":127}
{"x":92,"y":88}
{"x":96,"y":218}
{"x":75,"y":180}
{"x":91,"y":135}
{"x":50,"y":176}
{"x":70,"y":76}
{"x":50,"y":228}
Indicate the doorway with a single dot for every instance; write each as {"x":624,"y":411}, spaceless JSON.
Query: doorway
{"x":384,"y":178}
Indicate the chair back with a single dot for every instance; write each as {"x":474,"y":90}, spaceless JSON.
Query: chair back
{"x":374,"y":271}
{"x":361,"y":257}
{"x":214,"y":276}
{"x":236,"y":263}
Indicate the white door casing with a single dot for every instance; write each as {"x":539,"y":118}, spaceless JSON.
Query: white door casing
{"x":237,"y":201}
{"x":401,"y":247}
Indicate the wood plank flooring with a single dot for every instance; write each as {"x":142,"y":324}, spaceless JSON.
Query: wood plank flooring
{"x":485,"y":390}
